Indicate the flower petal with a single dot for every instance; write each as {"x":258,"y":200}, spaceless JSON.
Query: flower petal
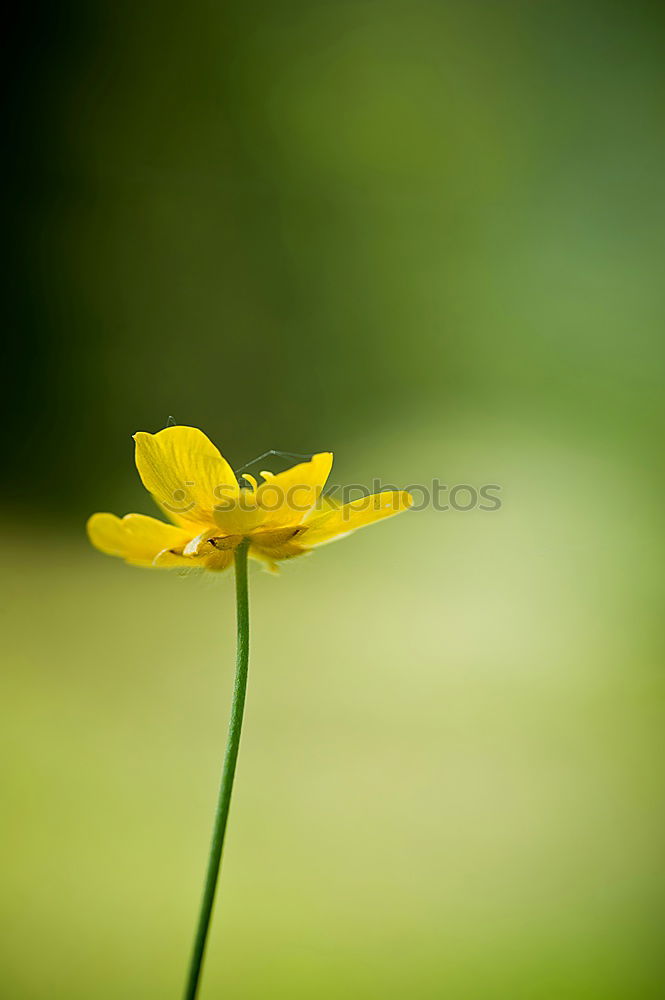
{"x":212,"y":560}
{"x":239,"y":516}
{"x":277,"y":543}
{"x":219,"y":559}
{"x":185,"y":473}
{"x":135,"y":538}
{"x":351,"y":516}
{"x":172,"y":559}
{"x":287,"y":497}
{"x":198,"y":544}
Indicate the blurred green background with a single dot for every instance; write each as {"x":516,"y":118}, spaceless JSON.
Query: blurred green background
{"x":427,"y":236}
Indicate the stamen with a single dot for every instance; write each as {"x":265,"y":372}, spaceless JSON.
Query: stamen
{"x":251,"y":480}
{"x":267,"y":475}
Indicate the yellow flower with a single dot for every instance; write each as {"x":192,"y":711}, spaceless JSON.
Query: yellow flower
{"x":212,"y":513}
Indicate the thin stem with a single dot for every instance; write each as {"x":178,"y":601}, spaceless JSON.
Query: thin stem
{"x":228,"y":771}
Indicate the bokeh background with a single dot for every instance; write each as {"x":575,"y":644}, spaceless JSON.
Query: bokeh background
{"x":427,"y":236}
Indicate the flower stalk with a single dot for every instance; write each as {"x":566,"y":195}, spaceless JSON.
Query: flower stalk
{"x":228,"y":771}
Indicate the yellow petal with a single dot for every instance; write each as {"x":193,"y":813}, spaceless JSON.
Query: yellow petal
{"x":286,"y":498}
{"x":219,"y":559}
{"x":212,"y":560}
{"x":351,"y":516}
{"x":324,"y":506}
{"x":239,"y":516}
{"x":203,"y":544}
{"x":135,"y":537}
{"x":198,"y":544}
{"x":185,"y":473}
{"x":169,"y":559}
{"x":277,"y":543}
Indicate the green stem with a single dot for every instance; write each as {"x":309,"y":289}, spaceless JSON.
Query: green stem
{"x":228,"y":771}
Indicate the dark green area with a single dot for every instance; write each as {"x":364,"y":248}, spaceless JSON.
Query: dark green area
{"x":288,"y":222}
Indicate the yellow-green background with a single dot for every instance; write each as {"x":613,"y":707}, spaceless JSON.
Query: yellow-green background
{"x":428,"y":236}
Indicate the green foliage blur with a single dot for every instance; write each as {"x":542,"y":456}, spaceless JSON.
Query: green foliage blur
{"x":429,"y":237}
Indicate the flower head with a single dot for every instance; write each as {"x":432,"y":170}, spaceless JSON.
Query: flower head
{"x":212,"y":511}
